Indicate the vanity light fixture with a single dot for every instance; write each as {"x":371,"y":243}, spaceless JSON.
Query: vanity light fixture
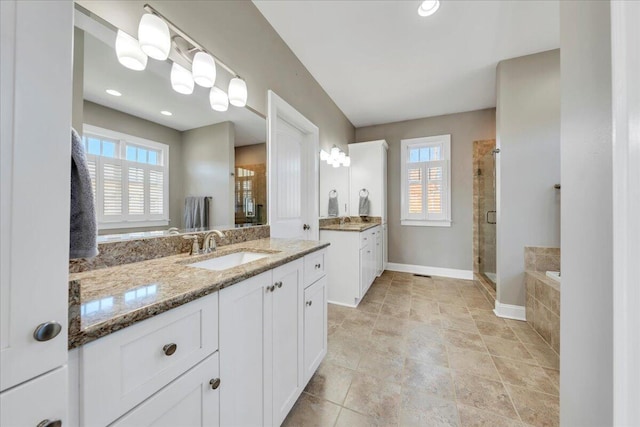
{"x":218,"y":99}
{"x":154,"y":36}
{"x":166,"y":113}
{"x":336,"y":157}
{"x":113,"y":92}
{"x":129,"y":52}
{"x":238,"y":92}
{"x":181,"y":79}
{"x":157,"y":34}
{"x":204,"y":69}
{"x":428,"y":7}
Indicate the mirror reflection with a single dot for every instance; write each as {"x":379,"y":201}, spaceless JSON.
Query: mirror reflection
{"x":162,"y":161}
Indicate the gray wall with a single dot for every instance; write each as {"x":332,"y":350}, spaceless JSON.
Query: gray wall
{"x":238,"y":33}
{"x":528,"y":166}
{"x":208,"y":161}
{"x":445,"y":247}
{"x":104,"y":117}
{"x":586,"y":330}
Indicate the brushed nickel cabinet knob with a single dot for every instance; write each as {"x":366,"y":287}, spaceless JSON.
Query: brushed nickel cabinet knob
{"x":215,"y":383}
{"x":309,"y":303}
{"x":47,"y":331}
{"x":278,"y":285}
{"x":169,"y":349}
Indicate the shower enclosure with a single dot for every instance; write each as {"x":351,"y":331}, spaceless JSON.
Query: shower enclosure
{"x":485,"y":218}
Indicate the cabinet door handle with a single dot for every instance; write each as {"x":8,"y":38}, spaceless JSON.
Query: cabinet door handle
{"x":306,"y":227}
{"x":47,"y":331}
{"x":271,"y":288}
{"x":169,"y":349}
{"x":215,"y":383}
{"x":48,"y":423}
{"x":309,"y":303}
{"x":278,"y":285}
{"x":318,"y":265}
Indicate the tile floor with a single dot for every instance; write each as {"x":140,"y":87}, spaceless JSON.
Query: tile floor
{"x":429,"y":352}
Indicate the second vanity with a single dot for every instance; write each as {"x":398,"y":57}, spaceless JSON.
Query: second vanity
{"x":354,"y":259}
{"x":161,"y":342}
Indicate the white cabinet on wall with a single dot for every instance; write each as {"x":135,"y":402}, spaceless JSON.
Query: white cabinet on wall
{"x":352,"y":263}
{"x":35,"y":147}
{"x":368,"y":171}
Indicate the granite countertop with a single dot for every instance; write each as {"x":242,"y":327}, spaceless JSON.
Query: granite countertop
{"x":106,"y":300}
{"x":350,"y":226}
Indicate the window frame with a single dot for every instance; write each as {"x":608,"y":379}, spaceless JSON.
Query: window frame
{"x":125,"y":220}
{"x":423,"y":220}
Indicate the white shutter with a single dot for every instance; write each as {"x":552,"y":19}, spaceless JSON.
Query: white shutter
{"x":135,"y":190}
{"x":111,"y":177}
{"x":156,"y":192}
{"x":436,"y":190}
{"x":415,"y":191}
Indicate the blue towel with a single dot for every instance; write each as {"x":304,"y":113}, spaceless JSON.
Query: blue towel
{"x":83,"y":224}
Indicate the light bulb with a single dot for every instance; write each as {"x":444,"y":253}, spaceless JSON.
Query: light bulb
{"x":324,"y":156}
{"x":335,"y":152}
{"x":238,"y":92}
{"x":154,"y":37}
{"x":204,"y":69}
{"x":181,"y":79}
{"x":342,"y":156}
{"x":129,"y":53}
{"x":218,"y":99}
{"x":428,"y":7}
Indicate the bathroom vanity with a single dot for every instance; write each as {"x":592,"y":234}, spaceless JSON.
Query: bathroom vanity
{"x":165,"y":342}
{"x":354,"y":260}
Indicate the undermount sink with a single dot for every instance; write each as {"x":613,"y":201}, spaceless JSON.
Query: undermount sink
{"x":229,"y":261}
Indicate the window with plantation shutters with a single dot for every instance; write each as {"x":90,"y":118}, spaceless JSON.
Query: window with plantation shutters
{"x":426,"y":181}
{"x":129,"y":177}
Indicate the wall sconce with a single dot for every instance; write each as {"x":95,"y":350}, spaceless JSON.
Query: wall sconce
{"x":156,"y":36}
{"x":336,"y":157}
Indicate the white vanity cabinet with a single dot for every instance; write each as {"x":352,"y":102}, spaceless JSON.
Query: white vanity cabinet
{"x":354,"y":259}
{"x":123,"y":369}
{"x":271,"y":341}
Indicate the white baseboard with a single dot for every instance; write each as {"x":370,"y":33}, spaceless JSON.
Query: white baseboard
{"x":342,"y":304}
{"x":508,"y":311}
{"x":431,"y":271}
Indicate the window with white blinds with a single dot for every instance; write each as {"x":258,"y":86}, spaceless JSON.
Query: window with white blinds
{"x":129,"y":177}
{"x":426,"y":181}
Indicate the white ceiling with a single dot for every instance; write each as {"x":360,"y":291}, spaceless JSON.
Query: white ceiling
{"x":381,"y":62}
{"x":146,"y":93}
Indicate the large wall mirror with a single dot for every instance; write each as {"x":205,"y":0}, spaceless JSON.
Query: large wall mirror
{"x":161,"y":159}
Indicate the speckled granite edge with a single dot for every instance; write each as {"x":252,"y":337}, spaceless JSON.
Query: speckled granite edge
{"x":349,"y":227}
{"x":130,"y":251}
{"x":353,"y":220}
{"x":79,"y":336}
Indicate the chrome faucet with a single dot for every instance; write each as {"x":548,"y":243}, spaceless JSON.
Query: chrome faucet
{"x":344,"y":220}
{"x":209,"y":242}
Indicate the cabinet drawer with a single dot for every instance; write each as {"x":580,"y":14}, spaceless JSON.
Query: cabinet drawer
{"x":124,"y":368}
{"x":366,"y":238}
{"x":190,"y":401}
{"x":43,"y":398}
{"x":314,"y":267}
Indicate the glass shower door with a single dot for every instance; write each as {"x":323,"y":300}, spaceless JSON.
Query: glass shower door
{"x":487,"y":216}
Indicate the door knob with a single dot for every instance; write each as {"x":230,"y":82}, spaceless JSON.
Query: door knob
{"x":48,"y":423}
{"x":169,"y":349}
{"x":47,"y":331}
{"x":215,"y":383}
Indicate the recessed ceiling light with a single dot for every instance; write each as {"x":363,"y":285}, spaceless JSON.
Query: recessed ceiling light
{"x":166,"y":113}
{"x":428,"y":7}
{"x":113,"y":92}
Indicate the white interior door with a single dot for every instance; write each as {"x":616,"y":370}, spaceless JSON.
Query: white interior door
{"x":293,"y":144}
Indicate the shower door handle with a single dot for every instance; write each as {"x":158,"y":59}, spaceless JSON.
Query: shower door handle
{"x":489,"y":212}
